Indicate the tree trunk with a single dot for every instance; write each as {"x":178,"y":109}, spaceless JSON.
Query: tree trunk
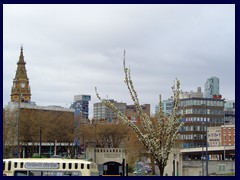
{"x":153,"y":165}
{"x":161,"y":170}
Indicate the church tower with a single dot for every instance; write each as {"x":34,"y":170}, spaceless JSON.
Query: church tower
{"x":21,"y":89}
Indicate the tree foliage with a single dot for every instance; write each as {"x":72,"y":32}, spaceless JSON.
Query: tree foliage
{"x":157,"y":136}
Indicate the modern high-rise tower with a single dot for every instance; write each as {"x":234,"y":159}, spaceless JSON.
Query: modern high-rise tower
{"x":211,"y":88}
{"x":81,"y":102}
{"x":21,"y":91}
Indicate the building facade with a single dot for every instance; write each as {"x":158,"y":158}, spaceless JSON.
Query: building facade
{"x":214,"y":136}
{"x":167,"y":106}
{"x":191,"y":94}
{"x":229,"y":111}
{"x":102,"y":112}
{"x":132,"y":113}
{"x":200,"y":113}
{"x":81,"y":103}
{"x":228,"y":135}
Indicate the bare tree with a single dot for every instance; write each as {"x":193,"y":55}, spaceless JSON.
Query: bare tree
{"x":111,"y":135}
{"x":105,"y":135}
{"x":157,"y":136}
{"x":10,"y":132}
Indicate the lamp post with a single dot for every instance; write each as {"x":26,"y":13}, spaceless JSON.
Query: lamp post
{"x":206,"y":132}
{"x":206,"y":141}
{"x":224,"y":133}
{"x":202,"y":159}
{"x":40,"y":142}
{"x":206,"y":150}
{"x":77,"y":119}
{"x":95,"y":139}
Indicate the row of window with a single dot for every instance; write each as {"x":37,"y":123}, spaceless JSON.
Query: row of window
{"x":193,"y":128}
{"x":64,"y":165}
{"x":192,"y":136}
{"x":108,"y":150}
{"x":204,"y":111}
{"x":193,"y":144}
{"x":47,"y":173}
{"x":229,"y":138}
{"x":229,"y":130}
{"x":74,"y":165}
{"x":201,"y":103}
{"x":203,"y":119}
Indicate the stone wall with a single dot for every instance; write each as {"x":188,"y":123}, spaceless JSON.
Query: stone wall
{"x":194,"y":167}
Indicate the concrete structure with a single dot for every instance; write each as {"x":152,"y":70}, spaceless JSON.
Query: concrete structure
{"x":192,"y":94}
{"x":214,"y":136}
{"x":215,"y":153}
{"x":104,"y":155}
{"x":101,"y":112}
{"x":215,"y":168}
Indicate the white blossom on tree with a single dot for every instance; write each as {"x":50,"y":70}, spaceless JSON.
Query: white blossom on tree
{"x":157,"y":135}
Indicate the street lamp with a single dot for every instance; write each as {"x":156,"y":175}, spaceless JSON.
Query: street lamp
{"x":206,"y":126}
{"x":206,"y":149}
{"x":202,"y":158}
{"x":95,"y":141}
{"x":77,"y":119}
{"x":40,"y":142}
{"x":224,"y":132}
{"x":206,"y":141}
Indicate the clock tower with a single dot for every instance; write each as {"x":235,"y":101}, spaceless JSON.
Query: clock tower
{"x":21,"y":89}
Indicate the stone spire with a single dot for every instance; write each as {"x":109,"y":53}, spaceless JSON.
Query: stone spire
{"x":21,"y":88}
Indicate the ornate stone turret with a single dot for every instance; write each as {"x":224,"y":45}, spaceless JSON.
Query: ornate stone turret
{"x":21,"y":89}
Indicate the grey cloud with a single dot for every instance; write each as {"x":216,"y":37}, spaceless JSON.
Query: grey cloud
{"x":70,"y":49}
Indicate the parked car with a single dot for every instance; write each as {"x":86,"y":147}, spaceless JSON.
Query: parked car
{"x":143,"y":170}
{"x":140,"y":171}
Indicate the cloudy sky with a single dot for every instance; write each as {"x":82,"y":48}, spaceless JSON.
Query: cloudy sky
{"x":71,"y":49}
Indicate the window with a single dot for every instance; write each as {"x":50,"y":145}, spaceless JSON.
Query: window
{"x":9,"y":165}
{"x":82,"y":166}
{"x":221,"y":167}
{"x":224,"y":130}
